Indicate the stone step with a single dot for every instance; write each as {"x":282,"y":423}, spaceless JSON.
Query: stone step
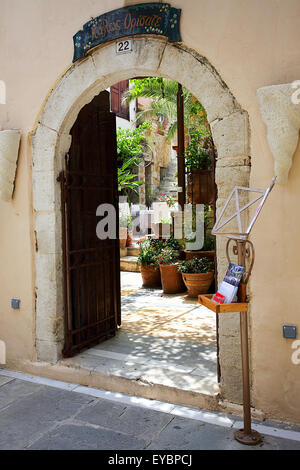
{"x":128,"y":263}
{"x":133,"y":251}
{"x":146,"y":379}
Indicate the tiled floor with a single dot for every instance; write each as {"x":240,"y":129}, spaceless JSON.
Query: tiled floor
{"x":167,"y":340}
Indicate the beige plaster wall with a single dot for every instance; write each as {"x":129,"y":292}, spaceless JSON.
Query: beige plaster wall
{"x":251,"y":44}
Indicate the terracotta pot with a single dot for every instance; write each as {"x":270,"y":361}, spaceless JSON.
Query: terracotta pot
{"x":123,"y":236}
{"x":198,"y":283}
{"x":189,"y":254}
{"x":150,"y":276}
{"x":129,"y":238}
{"x":171,"y":279}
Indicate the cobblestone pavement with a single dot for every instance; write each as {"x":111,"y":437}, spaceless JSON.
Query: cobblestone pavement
{"x":36,"y":415}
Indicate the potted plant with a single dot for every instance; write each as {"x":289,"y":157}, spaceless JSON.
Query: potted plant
{"x":171,"y":278}
{"x":197,"y":275}
{"x":148,"y":261}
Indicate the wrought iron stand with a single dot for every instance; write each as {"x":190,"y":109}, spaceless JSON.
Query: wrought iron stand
{"x":240,"y":249}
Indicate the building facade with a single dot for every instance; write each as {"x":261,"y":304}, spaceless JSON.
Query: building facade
{"x":240,"y":59}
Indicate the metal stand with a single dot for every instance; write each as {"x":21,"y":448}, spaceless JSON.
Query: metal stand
{"x":246,"y":435}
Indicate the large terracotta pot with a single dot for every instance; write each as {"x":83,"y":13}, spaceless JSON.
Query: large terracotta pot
{"x":123,"y":236}
{"x":171,"y":279}
{"x":150,"y":276}
{"x":198,"y":283}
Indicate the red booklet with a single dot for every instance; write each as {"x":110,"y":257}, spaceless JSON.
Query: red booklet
{"x":219,"y":298}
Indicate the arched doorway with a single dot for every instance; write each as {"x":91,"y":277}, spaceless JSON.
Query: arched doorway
{"x":51,"y":141}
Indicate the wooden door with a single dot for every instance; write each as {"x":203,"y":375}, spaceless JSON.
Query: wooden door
{"x":91,"y":265}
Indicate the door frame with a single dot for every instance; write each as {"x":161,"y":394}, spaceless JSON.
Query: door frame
{"x":50,"y":141}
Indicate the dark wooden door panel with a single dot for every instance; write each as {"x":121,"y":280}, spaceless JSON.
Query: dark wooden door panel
{"x":92,"y":266}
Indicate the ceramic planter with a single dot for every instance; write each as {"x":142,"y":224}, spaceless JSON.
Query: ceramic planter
{"x":198,"y":283}
{"x":171,"y":279}
{"x":150,"y":276}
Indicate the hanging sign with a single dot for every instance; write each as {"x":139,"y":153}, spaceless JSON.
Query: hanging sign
{"x":146,"y":18}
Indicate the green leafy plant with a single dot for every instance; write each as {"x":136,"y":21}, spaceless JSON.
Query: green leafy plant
{"x":127,"y":179}
{"x":209,"y":243}
{"x":196,"y":266}
{"x":171,"y":242}
{"x":198,"y":152}
{"x":149,"y":252}
{"x":163,"y":104}
{"x":168,"y":256}
{"x":129,"y":142}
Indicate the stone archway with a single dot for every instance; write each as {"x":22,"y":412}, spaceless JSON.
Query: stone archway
{"x":50,"y":142}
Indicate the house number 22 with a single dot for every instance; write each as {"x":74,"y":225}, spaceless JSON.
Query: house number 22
{"x":124,"y":46}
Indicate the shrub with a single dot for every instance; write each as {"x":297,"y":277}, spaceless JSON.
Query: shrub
{"x":168,"y":256}
{"x":149,"y":252}
{"x":196,"y":266}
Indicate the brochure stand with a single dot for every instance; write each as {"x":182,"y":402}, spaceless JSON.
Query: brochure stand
{"x":244,"y":250}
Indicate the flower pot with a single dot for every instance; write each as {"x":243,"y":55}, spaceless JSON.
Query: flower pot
{"x":198,"y":283}
{"x":129,"y":238}
{"x":171,"y":279}
{"x":150,"y":276}
{"x":123,"y":236}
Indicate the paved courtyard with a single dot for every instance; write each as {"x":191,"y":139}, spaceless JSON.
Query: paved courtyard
{"x":37,"y":413}
{"x":166,"y":340}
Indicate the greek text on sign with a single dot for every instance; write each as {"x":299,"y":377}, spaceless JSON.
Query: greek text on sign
{"x":147,"y":18}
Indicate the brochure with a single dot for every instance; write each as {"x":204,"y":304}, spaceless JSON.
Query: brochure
{"x":227,"y":290}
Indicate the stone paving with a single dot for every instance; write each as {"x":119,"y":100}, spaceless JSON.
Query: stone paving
{"x":37,"y":416}
{"x":167,"y":340}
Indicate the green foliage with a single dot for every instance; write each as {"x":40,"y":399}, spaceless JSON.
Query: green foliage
{"x":171,"y":242}
{"x":163,"y":94}
{"x":129,"y":142}
{"x":196,"y":266}
{"x":151,"y":249}
{"x":168,"y":256}
{"x":126,"y":179}
{"x":209,"y":243}
{"x":198,"y":152}
{"x":149,"y":252}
